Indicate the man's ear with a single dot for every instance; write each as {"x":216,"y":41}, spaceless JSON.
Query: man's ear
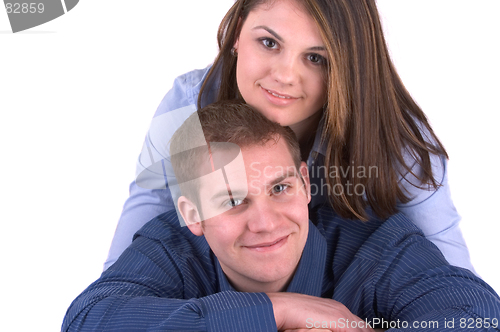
{"x":190,"y":214}
{"x":304,"y":172}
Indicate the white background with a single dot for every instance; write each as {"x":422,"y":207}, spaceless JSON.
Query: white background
{"x":77,"y":95}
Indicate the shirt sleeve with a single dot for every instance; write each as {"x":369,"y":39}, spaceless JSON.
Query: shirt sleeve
{"x":435,"y":214}
{"x":146,"y":291}
{"x":130,"y":311}
{"x":417,"y":289}
{"x":151,"y":195}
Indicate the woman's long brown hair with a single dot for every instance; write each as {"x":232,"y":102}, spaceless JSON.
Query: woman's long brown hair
{"x":371,"y":121}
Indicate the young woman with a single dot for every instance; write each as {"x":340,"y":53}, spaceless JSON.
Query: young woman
{"x":321,"y":67}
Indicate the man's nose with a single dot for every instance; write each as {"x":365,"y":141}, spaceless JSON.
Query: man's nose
{"x":265,"y":218}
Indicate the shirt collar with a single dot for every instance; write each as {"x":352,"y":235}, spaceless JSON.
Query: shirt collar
{"x":318,"y":146}
{"x":224,"y":284}
{"x":308,"y":277}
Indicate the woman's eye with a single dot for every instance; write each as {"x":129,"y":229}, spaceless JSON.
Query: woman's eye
{"x":279,"y":188}
{"x":269,"y":43}
{"x":316,"y":59}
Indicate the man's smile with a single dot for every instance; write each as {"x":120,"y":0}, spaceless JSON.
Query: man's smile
{"x":269,"y":246}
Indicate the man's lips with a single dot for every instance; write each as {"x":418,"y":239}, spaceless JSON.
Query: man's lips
{"x":267,"y":246}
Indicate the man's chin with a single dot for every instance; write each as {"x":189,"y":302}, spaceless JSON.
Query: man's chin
{"x":274,"y":273}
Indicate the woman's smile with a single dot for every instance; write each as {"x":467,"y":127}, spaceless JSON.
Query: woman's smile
{"x":281,"y":64}
{"x":278,"y":99}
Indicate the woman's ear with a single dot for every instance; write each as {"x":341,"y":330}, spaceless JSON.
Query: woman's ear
{"x":304,"y":172}
{"x":234,"y":50}
{"x":238,"y":29}
{"x":190,"y":214}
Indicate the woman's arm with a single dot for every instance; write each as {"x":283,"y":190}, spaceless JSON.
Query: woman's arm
{"x":149,"y":193}
{"x":433,"y":211}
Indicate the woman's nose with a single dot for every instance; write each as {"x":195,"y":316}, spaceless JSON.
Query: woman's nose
{"x":286,"y":69}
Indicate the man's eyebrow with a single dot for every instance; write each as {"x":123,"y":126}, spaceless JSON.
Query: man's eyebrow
{"x":277,"y":36}
{"x":242,"y":193}
{"x":288,"y":174}
{"x":223,"y":193}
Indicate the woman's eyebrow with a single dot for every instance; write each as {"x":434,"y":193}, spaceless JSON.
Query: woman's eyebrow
{"x":317,"y":48}
{"x":272,"y":32}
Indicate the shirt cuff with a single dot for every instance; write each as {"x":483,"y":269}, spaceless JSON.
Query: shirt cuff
{"x":238,"y":311}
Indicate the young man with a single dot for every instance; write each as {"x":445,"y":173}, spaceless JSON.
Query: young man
{"x":250,"y":259}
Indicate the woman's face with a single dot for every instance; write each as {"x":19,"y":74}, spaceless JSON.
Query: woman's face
{"x":281,"y":64}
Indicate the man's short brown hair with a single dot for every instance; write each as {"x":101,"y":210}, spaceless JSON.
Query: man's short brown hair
{"x":223,"y":122}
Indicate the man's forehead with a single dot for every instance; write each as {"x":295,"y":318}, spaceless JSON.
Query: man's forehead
{"x":223,"y":154}
{"x":229,"y":159}
{"x":263,"y":167}
{"x":271,"y":160}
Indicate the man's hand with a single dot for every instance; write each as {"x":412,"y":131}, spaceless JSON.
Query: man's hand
{"x":298,"y":311}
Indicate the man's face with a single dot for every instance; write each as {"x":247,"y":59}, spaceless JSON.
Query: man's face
{"x":260,"y":237}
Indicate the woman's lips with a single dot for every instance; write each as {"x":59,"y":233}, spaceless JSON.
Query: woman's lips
{"x":269,"y":246}
{"x":278,"y":98}
{"x":279,"y":95}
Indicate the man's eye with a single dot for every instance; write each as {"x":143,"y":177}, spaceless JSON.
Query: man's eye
{"x":234,"y":202}
{"x":279,"y":188}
